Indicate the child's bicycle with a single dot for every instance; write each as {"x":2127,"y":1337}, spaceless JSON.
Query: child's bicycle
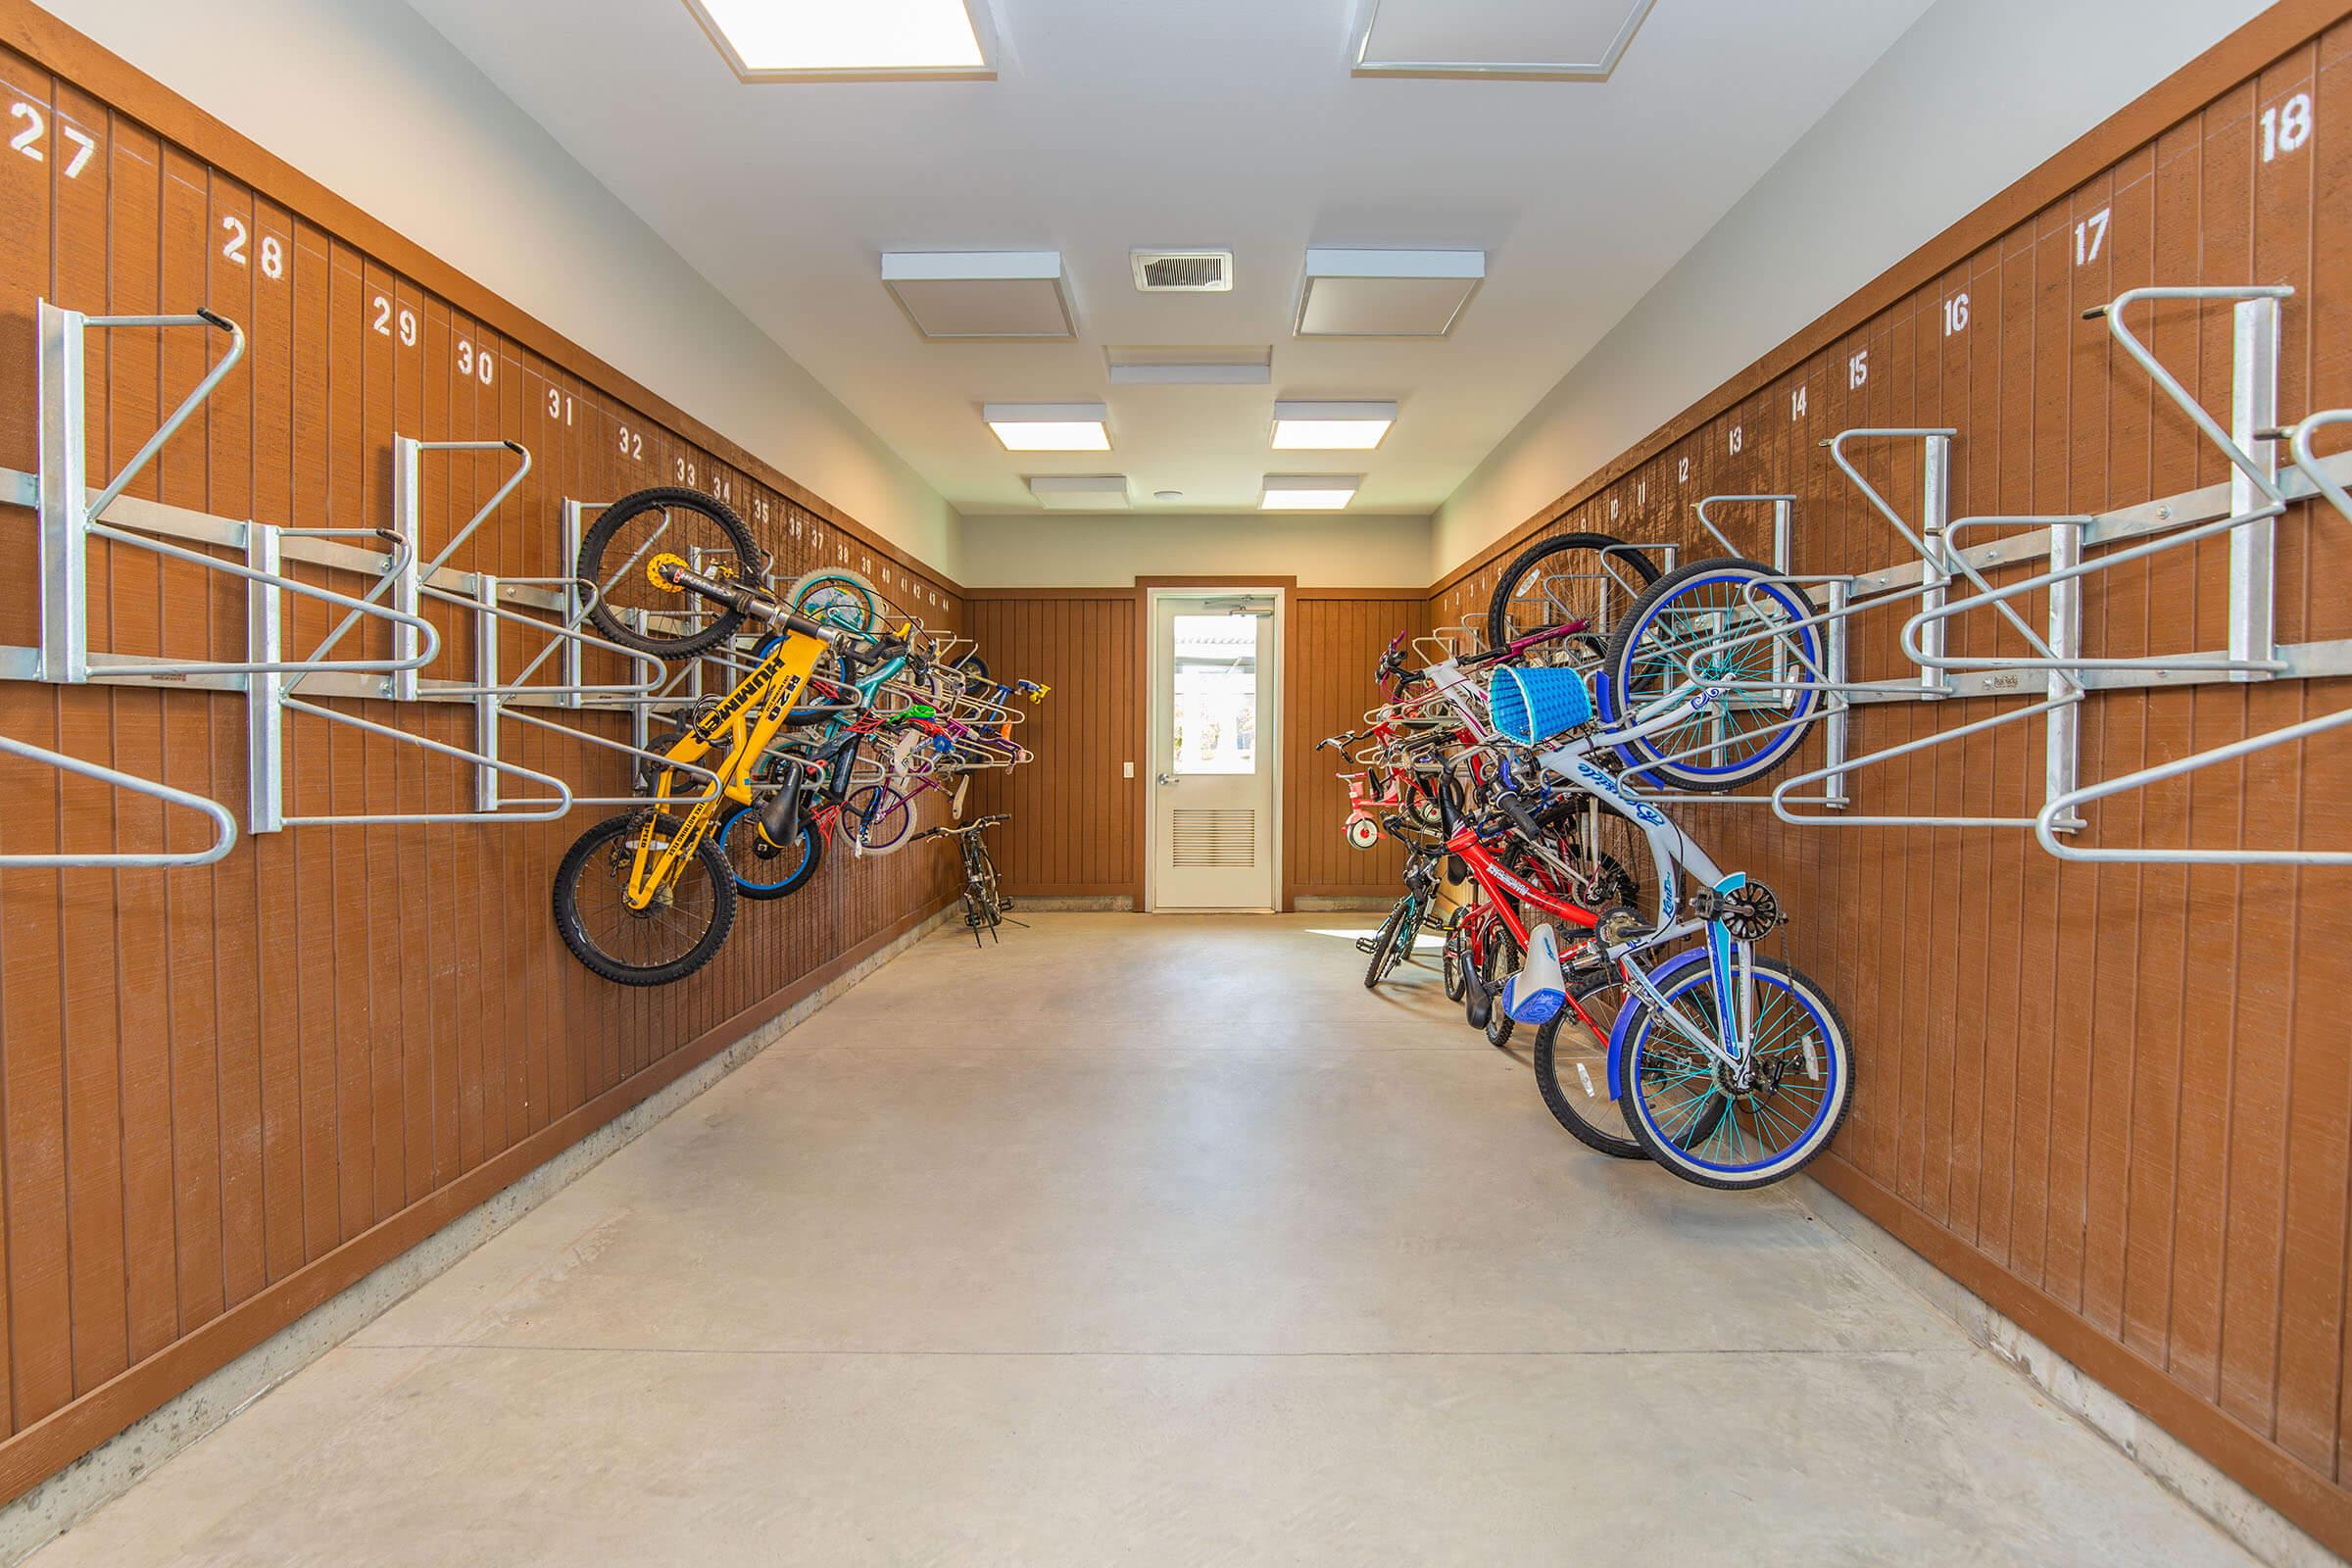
{"x":985,"y":905}
{"x":1730,"y":1069}
{"x":648,"y":897}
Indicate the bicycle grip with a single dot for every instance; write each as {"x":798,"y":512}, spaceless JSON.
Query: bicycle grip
{"x":1515,"y":811}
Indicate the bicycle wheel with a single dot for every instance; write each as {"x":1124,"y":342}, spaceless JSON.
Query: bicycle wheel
{"x":1573,"y":576}
{"x":1607,"y":857}
{"x":1572,"y":1072}
{"x":1723,"y":621}
{"x":1501,"y":962}
{"x":1384,"y":943}
{"x":668,"y":940}
{"x":666,"y":525}
{"x":877,"y":818}
{"x":1709,"y":1127}
{"x":1456,"y":958}
{"x":838,"y":599}
{"x":984,"y":877}
{"x":760,"y":869}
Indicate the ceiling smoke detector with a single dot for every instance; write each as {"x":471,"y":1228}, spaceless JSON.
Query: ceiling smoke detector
{"x":1183,"y":271}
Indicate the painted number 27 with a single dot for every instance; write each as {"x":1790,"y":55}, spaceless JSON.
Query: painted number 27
{"x":37,"y":125}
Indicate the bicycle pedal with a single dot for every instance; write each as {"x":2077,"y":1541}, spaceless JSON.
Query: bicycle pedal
{"x":1363,"y":944}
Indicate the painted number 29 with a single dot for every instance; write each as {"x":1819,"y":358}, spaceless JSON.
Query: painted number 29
{"x":383,"y":321}
{"x":2285,"y":128}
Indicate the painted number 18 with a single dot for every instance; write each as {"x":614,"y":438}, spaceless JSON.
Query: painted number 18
{"x":2285,"y":128}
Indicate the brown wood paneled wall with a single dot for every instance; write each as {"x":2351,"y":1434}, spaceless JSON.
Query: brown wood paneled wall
{"x":227,"y":1092}
{"x":2114,"y":1101}
{"x":1337,"y":636}
{"x":1077,"y":827}
{"x":1075,"y":830}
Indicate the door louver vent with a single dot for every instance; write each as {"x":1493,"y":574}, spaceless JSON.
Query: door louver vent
{"x":1219,"y":837}
{"x":1183,"y":271}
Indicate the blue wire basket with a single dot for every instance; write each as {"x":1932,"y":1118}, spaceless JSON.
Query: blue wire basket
{"x":1532,"y":706}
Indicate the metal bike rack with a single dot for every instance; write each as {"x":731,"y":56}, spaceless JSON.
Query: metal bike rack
{"x":275,"y":680}
{"x":1830,"y":675}
{"x":2246,"y":508}
{"x":2324,"y":477}
{"x":224,"y":826}
{"x":73,"y":515}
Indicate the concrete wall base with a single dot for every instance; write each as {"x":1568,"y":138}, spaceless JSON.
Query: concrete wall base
{"x":112,"y":1468}
{"x":2234,"y":1510}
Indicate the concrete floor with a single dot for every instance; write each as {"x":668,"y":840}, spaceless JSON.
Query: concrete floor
{"x":1148,"y":1240}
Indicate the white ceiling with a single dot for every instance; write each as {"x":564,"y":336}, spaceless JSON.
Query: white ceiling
{"x":1227,"y":124}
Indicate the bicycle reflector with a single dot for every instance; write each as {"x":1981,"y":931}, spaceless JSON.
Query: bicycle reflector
{"x":1532,"y":706}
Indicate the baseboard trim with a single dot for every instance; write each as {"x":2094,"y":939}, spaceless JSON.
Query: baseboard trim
{"x":1098,"y":903}
{"x":55,"y":1504}
{"x":2181,"y":1470}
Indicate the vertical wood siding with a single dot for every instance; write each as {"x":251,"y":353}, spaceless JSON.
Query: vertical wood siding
{"x":225,"y":1092}
{"x":1074,"y":832}
{"x":2116,"y":1100}
{"x":1337,"y":637}
{"x":1077,"y":828}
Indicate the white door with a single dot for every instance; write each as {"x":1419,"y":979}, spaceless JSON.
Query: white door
{"x":1214,"y":689}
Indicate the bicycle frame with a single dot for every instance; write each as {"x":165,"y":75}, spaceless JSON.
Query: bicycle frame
{"x":1671,"y":853}
{"x":746,"y":723}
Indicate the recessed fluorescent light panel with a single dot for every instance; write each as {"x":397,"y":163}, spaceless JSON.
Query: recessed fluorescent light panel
{"x":1387,"y":293}
{"x":1080,"y":492}
{"x":1508,"y":40}
{"x":1331,"y":427}
{"x":989,"y":295}
{"x":1050,"y":426}
{"x":851,"y":40}
{"x":1310,"y":492}
{"x":1191,"y":365}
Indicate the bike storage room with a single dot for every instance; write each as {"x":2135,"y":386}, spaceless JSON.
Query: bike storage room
{"x":1063,"y":783}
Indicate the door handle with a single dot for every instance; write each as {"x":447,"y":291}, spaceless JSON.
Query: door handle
{"x":1164,"y":778}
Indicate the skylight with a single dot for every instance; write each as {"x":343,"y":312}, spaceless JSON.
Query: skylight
{"x":785,"y":40}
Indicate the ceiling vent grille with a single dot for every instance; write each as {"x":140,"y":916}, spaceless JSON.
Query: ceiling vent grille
{"x":1183,"y":271}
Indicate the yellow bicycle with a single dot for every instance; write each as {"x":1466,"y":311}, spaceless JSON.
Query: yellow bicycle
{"x":648,"y":897}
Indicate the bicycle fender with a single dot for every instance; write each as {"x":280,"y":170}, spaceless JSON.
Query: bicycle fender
{"x":1624,"y":1025}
